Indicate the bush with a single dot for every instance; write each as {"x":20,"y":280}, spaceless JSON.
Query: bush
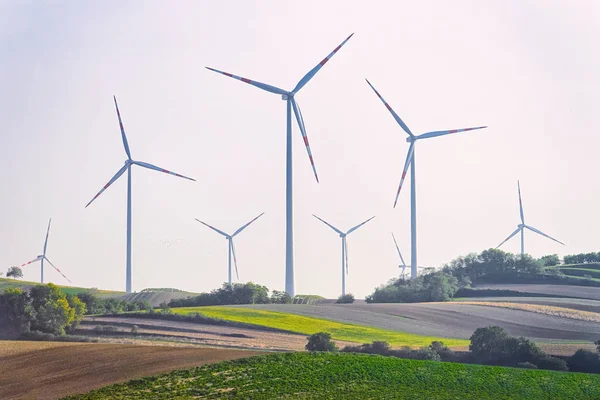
{"x":527,"y":365}
{"x":442,"y":350}
{"x":346,"y":299}
{"x":434,"y":286}
{"x":487,"y":344}
{"x":584,"y":361}
{"x":278,"y":297}
{"x":426,"y":353}
{"x":49,"y":337}
{"x":320,"y":342}
{"x":237,"y":293}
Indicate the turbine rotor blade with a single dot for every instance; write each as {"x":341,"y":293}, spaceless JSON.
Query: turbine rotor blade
{"x":531,"y":228}
{"x":125,"y":143}
{"x":112,"y":180}
{"x":409,"y":155}
{"x":245,"y":226}
{"x":63,"y":275}
{"x":358,"y":226}
{"x":520,"y":203}
{"x":300,"y":120}
{"x":396,"y":117}
{"x":313,"y":71}
{"x":47,"y":233}
{"x":442,"y":133}
{"x":400,"y":254}
{"x":213,"y":228}
{"x":260,"y":85}
{"x":154,"y":167}
{"x":329,"y":225}
{"x":38,"y":258}
{"x":234,"y":259}
{"x":510,"y":236}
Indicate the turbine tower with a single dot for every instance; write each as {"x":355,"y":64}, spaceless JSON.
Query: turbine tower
{"x":344,"y":247}
{"x":231,"y":246}
{"x":521,"y":227}
{"x":291,"y":103}
{"x":410,"y":161}
{"x":43,"y":258}
{"x":127,"y":167}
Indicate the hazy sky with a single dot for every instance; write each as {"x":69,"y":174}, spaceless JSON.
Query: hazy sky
{"x":530,"y":70}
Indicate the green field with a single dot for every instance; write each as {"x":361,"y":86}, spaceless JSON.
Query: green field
{"x":308,"y":325}
{"x":580,"y":271}
{"x":15,"y":283}
{"x":353,"y":376}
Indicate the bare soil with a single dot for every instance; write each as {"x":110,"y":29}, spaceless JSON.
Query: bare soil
{"x":50,"y":370}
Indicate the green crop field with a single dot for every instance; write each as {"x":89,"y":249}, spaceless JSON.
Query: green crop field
{"x":15,"y":283}
{"x":580,"y":271}
{"x":308,"y":325}
{"x":353,"y":376}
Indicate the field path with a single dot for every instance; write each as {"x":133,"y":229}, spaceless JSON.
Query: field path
{"x":48,"y":370}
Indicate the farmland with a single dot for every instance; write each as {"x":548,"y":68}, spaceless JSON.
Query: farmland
{"x":48,"y":370}
{"x":6,"y":283}
{"x":353,"y":376}
{"x":452,"y":319}
{"x":308,"y":325}
{"x":582,"y":292}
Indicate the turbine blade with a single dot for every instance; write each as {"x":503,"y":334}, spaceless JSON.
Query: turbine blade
{"x":114,"y":178}
{"x":154,"y":167}
{"x":442,"y":133}
{"x":213,"y":228}
{"x":396,"y":117}
{"x":263,"y":86}
{"x":409,"y":155}
{"x":400,"y":254}
{"x":531,"y":228}
{"x":358,"y":226}
{"x":346,"y":251}
{"x":245,"y":226}
{"x":125,"y":144}
{"x":313,"y":71}
{"x":300,"y":120}
{"x":520,"y":203}
{"x":329,"y":225}
{"x":510,"y":236}
{"x":38,"y":258}
{"x":403,"y":272}
{"x":47,"y":233}
{"x":234,"y":259}
{"x":63,"y":275}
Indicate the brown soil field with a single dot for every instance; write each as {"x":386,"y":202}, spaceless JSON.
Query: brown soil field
{"x":50,"y":370}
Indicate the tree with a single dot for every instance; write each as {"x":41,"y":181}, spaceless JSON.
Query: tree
{"x":320,"y":342}
{"x":51,"y":311}
{"x":278,"y":297}
{"x":346,"y":299}
{"x":488,"y":344}
{"x":79,"y":309}
{"x":14,"y":272}
{"x":550,"y":260}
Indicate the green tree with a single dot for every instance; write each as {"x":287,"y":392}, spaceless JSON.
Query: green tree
{"x":14,"y":272}
{"x":14,"y":303}
{"x":320,"y":341}
{"x":488,"y":344}
{"x":79,"y":309}
{"x":550,"y":260}
{"x":278,"y":297}
{"x":51,"y":311}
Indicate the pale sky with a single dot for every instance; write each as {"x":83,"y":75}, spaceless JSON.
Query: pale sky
{"x":530,"y":70}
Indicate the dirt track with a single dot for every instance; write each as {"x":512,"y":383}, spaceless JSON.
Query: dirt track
{"x":47,"y":370}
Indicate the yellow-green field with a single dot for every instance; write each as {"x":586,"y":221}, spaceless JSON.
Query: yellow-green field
{"x":307,"y":325}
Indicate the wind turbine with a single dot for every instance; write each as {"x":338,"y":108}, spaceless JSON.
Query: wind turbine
{"x":127,"y":167}
{"x":291,"y":103}
{"x":521,"y":227}
{"x":43,"y":258}
{"x":344,"y":247}
{"x":403,"y":265}
{"x":231,"y":246}
{"x":410,"y":161}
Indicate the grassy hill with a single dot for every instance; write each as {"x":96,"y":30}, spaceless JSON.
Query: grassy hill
{"x":15,"y":283}
{"x":353,"y":376}
{"x":580,"y":271}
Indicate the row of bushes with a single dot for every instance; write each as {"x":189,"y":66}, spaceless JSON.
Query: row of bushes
{"x":237,"y":293}
{"x":489,"y":346}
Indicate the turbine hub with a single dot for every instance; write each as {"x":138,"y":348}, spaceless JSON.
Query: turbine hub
{"x":286,"y":97}
{"x":411,"y":139}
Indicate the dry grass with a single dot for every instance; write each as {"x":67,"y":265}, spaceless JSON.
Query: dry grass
{"x":541,"y":309}
{"x":50,"y":370}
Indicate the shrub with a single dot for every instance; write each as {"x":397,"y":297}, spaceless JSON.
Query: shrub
{"x":434,"y":286}
{"x":346,"y":299}
{"x":487,"y":344}
{"x":426,"y":353}
{"x":42,"y":336}
{"x":442,"y":350}
{"x":320,"y":341}
{"x":584,"y":361}
{"x":527,"y":365}
{"x":553,"y":363}
{"x":278,"y":297}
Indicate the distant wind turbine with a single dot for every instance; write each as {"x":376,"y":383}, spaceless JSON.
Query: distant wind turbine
{"x":231,"y":246}
{"x":43,"y":258}
{"x":127,"y":167}
{"x":403,"y":265}
{"x":289,"y":98}
{"x":344,"y":247}
{"x":410,"y":161}
{"x":521,"y":227}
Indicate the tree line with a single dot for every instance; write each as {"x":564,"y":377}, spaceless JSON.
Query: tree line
{"x":237,"y":293}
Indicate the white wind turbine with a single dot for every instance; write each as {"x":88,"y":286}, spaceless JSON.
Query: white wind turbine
{"x":344,"y":247}
{"x":231,"y":246}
